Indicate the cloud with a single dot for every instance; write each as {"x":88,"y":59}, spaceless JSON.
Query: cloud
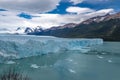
{"x":50,"y":20}
{"x":79,"y":10}
{"x":89,"y":1}
{"x":101,"y":12}
{"x":32,"y":6}
{"x":32,"y":13}
{"x":76,"y":1}
{"x":11,"y":21}
{"x":97,"y":1}
{"x":83,"y":11}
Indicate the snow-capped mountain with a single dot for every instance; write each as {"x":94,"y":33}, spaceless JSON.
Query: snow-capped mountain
{"x":20,"y":30}
{"x":106,"y":27}
{"x":102,"y":18}
{"x":95,"y":19}
{"x":25,"y":30}
{"x":69,"y":25}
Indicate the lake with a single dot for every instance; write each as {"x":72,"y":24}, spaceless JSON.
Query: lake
{"x":51,"y":58}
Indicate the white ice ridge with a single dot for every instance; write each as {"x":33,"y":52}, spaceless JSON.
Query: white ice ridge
{"x":25,"y":46}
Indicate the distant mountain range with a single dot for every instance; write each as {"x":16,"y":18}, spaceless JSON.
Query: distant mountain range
{"x":106,"y":27}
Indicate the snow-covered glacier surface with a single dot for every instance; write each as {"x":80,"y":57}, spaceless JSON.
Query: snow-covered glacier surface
{"x":20,"y":46}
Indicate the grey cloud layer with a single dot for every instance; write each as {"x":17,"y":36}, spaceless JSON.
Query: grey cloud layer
{"x":39,"y":6}
{"x":12,"y":21}
{"x":45,"y":20}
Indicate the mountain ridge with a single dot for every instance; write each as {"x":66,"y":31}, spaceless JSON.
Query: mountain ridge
{"x":106,"y":27}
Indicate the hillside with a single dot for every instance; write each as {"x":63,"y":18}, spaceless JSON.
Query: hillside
{"x":106,"y":27}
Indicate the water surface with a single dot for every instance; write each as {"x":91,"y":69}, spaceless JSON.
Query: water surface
{"x":102,"y":62}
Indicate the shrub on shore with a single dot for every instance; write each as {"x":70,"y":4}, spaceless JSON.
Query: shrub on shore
{"x":12,"y":74}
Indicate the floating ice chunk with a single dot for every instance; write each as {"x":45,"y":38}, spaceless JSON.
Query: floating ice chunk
{"x":72,"y":71}
{"x":100,"y":56}
{"x":70,"y":60}
{"x":10,"y":62}
{"x":109,"y":61}
{"x":103,"y":53}
{"x":34,"y":66}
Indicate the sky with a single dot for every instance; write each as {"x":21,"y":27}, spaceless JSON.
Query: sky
{"x":49,"y":13}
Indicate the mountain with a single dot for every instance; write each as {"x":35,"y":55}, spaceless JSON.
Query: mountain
{"x":22,"y":30}
{"x":37,"y":30}
{"x":106,"y":27}
{"x":32,"y":30}
{"x":69,"y":25}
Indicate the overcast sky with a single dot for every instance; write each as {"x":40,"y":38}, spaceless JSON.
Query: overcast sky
{"x":48,"y":13}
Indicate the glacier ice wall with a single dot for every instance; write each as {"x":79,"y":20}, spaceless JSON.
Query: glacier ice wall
{"x":19,"y":46}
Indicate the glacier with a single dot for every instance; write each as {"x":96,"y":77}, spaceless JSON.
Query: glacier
{"x":20,"y":46}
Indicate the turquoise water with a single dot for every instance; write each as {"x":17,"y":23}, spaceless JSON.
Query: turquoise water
{"x":101,"y":62}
